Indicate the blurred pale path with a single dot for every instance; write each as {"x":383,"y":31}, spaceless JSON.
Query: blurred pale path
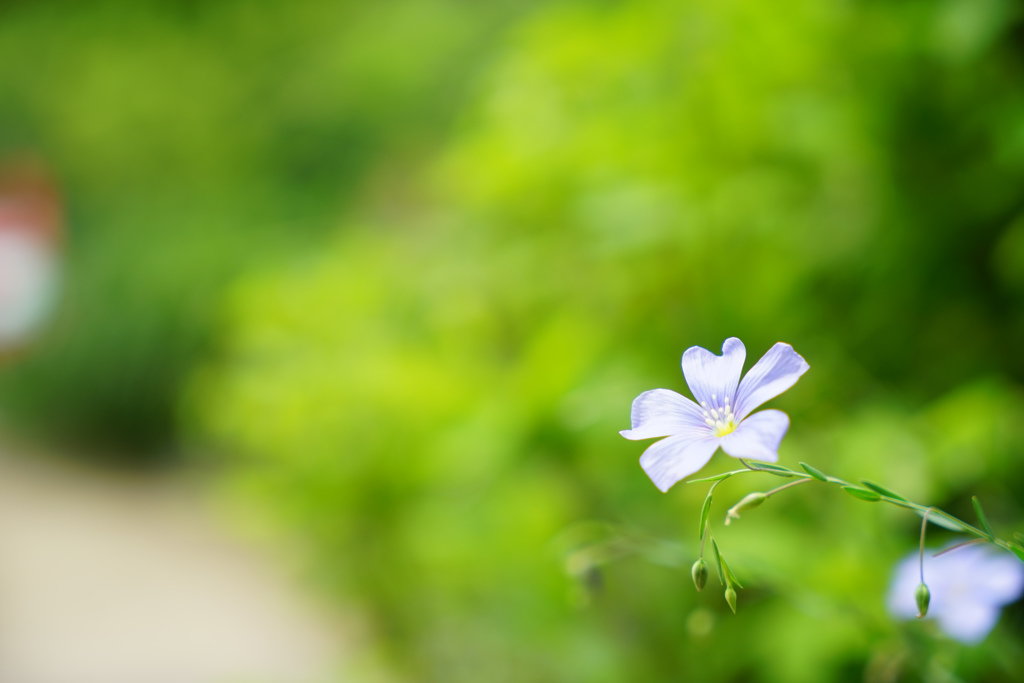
{"x":121,"y":580}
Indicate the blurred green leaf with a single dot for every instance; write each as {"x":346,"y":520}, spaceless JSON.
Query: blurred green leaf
{"x":716,"y":477}
{"x":981,"y":517}
{"x":881,"y":490}
{"x":719,"y":563}
{"x":862,"y":494}
{"x":777,"y":470}
{"x":817,"y":474}
{"x":945,"y":521}
{"x":704,"y":516}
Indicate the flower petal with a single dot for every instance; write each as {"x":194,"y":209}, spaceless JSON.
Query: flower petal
{"x":778,"y":370}
{"x":709,"y":375}
{"x":661,"y":412}
{"x":671,"y":459}
{"x":998,"y":578}
{"x":758,"y":437}
{"x":968,"y":587}
{"x":969,"y":622}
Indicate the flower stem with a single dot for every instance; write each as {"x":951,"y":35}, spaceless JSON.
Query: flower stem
{"x":878,"y":494}
{"x":790,"y":485}
{"x":920,"y":554}
{"x":950,"y":549}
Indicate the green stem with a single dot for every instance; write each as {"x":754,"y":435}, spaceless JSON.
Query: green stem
{"x":951,"y":548}
{"x":780,"y":471}
{"x":769,"y":494}
{"x":920,"y":554}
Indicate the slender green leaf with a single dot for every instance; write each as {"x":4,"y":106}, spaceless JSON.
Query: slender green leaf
{"x":716,"y":477}
{"x":772,"y":466}
{"x":704,"y":515}
{"x":730,"y":578}
{"x":814,"y":472}
{"x":878,"y":488}
{"x":707,"y":507}
{"x":862,"y":494}
{"x":718,"y":562}
{"x":725,"y":575}
{"x":982,"y":518}
{"x":940,"y":518}
{"x":777,"y":470}
{"x":1019,"y":537}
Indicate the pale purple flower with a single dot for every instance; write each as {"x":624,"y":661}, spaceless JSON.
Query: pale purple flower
{"x":721,"y":416}
{"x":969,"y":587}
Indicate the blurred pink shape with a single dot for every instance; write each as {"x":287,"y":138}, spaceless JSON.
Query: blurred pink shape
{"x":30,"y":230}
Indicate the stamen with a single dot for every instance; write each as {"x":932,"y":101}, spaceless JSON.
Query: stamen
{"x":709,"y":422}
{"x":704,"y":403}
{"x":706,"y":414}
{"x":714,"y":413}
{"x":714,"y":398}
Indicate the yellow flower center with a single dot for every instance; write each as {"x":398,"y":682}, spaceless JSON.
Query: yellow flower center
{"x":719,"y":416}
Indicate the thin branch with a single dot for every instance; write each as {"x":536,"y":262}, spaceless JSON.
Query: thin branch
{"x":960,"y":545}
{"x":920,"y":554}
{"x":786,"y":486}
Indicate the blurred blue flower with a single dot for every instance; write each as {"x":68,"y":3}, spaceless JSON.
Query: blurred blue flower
{"x":696,"y":431}
{"x":969,"y":587}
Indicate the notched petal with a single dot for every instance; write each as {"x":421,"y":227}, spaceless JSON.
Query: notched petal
{"x":778,"y":370}
{"x":709,"y":375}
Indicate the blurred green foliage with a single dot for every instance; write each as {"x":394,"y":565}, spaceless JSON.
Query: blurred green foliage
{"x":429,"y":398}
{"x":192,"y":141}
{"x":433,"y":403}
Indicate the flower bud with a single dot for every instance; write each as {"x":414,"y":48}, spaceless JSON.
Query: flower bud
{"x":752,"y":500}
{"x":730,"y":597}
{"x":923,"y":597}
{"x":699,"y":573}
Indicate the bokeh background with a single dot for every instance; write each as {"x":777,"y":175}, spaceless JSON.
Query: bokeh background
{"x":388,"y":276}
